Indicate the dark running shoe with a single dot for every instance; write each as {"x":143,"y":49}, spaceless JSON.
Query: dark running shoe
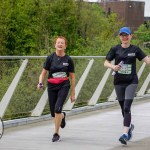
{"x":63,"y":122}
{"x":56,"y":138}
{"x":130,"y":132}
{"x":123,"y":139}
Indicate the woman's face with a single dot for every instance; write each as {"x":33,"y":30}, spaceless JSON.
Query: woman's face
{"x":60,"y":44}
{"x":125,"y":38}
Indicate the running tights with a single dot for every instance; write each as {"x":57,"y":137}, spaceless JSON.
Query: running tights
{"x":125,"y":95}
{"x":57,"y":99}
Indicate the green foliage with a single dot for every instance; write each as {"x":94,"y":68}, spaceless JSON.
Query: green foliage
{"x":29,"y":27}
{"x":26,"y":94}
{"x":8,"y":69}
{"x":62,"y":20}
{"x":142,"y":36}
{"x":143,"y":33}
{"x":21,"y":23}
{"x":96,"y":31}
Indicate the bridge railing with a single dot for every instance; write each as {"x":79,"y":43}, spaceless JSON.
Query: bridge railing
{"x":19,"y":75}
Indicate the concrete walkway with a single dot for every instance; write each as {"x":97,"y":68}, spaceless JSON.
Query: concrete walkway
{"x":95,"y":130}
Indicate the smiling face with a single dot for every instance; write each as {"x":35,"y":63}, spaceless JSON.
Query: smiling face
{"x":125,"y":38}
{"x":60,"y":44}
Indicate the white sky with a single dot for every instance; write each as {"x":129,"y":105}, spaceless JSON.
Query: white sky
{"x":147,"y":6}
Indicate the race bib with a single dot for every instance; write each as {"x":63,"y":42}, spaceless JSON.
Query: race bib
{"x":125,"y":69}
{"x":59,"y":75}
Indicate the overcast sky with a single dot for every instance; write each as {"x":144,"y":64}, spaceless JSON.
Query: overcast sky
{"x":147,"y":6}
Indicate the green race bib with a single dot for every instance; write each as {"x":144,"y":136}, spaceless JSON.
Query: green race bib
{"x":125,"y":69}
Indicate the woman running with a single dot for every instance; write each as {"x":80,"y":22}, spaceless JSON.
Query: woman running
{"x":125,"y":76}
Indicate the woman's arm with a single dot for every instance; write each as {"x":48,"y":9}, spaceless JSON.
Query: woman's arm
{"x":108,"y":64}
{"x":72,"y":76}
{"x":147,"y":60}
{"x":41,"y":78}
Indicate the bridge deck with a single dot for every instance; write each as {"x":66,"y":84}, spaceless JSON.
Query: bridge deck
{"x":96,"y":130}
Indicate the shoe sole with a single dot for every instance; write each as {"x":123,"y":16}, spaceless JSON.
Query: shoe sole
{"x":123,"y":141}
{"x":57,"y":140}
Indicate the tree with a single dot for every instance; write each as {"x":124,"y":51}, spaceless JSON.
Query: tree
{"x":21,"y":24}
{"x":143,"y":32}
{"x":29,"y":27}
{"x":61,"y":20}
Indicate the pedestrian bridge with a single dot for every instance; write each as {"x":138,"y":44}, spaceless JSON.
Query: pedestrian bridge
{"x":96,"y":128}
{"x":26,"y":113}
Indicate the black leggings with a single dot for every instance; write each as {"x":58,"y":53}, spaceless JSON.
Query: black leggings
{"x":57,"y":99}
{"x":125,"y":95}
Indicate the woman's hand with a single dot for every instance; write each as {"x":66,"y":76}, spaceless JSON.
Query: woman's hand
{"x":39,"y":86}
{"x":72,"y":98}
{"x":116,"y":67}
{"x":41,"y":78}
